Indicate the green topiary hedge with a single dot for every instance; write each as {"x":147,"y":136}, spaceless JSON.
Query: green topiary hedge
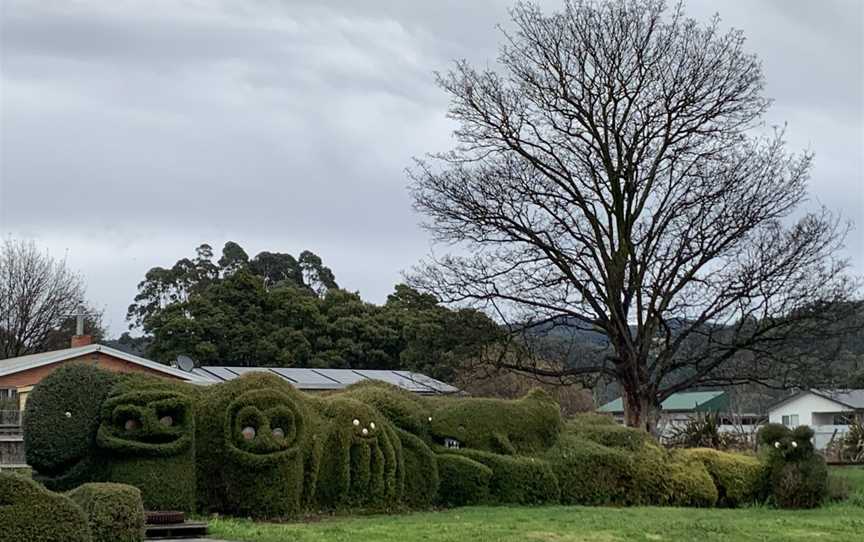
{"x":402,"y":408}
{"x":252,"y":439}
{"x":796,"y":476}
{"x":592,"y":427}
{"x":517,"y":479}
{"x":115,"y":512}
{"x":464,"y":482}
{"x":362,"y":465}
{"x":421,"y":471}
{"x":146,"y":437}
{"x":524,"y":426}
{"x":60,"y":425}
{"x":736,"y":476}
{"x":589,"y":473}
{"x":31,"y":513}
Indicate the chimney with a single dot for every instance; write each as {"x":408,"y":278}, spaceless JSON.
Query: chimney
{"x":81,"y":340}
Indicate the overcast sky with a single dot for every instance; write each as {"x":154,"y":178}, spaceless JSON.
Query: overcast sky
{"x":131,"y":132}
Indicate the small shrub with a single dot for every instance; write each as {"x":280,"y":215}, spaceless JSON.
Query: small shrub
{"x":60,"y":425}
{"x":704,"y":432}
{"x":689,"y":482}
{"x":852,"y":447}
{"x":115,"y":512}
{"x":31,"y":513}
{"x":736,"y":476}
{"x":857,"y":499}
{"x":660,"y":477}
{"x":464,"y":482}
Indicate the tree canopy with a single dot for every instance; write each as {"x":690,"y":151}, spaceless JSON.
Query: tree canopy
{"x":275,"y":310}
{"x":611,"y":176}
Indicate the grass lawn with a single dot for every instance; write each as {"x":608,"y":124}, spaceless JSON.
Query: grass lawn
{"x":836,"y":522}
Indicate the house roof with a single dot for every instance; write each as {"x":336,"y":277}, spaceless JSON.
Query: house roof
{"x":687,"y":401}
{"x":31,"y":361}
{"x":850,"y":399}
{"x":332,"y":379}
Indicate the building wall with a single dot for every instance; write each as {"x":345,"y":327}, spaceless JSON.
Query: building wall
{"x":803,"y":406}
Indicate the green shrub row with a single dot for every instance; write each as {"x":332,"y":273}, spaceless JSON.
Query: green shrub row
{"x":256,"y":446}
{"x":115,"y":512}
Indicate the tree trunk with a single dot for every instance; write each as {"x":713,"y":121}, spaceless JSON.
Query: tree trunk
{"x":639,"y":410}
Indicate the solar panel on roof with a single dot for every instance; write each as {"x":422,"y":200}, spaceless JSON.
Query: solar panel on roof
{"x":435,"y":385}
{"x":307,"y":378}
{"x":392,"y":377}
{"x":244,"y":370}
{"x":346,"y":377}
{"x":220,"y":373}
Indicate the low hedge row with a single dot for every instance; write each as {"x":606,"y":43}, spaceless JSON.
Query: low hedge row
{"x":738,"y":477}
{"x":464,"y":482}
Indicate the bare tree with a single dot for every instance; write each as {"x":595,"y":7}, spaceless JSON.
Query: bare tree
{"x":37,"y":293}
{"x":611,"y":176}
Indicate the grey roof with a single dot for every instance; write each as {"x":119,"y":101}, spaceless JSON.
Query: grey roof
{"x":31,"y":361}
{"x":333,"y":379}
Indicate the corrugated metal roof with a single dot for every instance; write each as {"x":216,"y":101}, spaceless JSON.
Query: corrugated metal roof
{"x":686,"y":401}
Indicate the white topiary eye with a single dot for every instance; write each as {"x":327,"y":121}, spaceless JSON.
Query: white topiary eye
{"x":67,"y":414}
{"x":794,"y":444}
{"x":356,"y":422}
{"x":430,"y":419}
{"x":248,"y":432}
{"x":371,"y":425}
{"x":365,"y":431}
{"x":776,"y":444}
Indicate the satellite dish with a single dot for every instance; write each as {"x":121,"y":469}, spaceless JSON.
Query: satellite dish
{"x":185,"y":363}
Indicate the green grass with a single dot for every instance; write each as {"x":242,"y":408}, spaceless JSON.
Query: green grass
{"x":838,"y":522}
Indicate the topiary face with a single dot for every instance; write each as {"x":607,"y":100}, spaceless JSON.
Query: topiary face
{"x":263,"y":425}
{"x":147,"y":422}
{"x":60,"y":423}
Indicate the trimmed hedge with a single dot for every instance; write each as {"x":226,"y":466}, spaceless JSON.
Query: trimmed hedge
{"x":737,"y":477}
{"x":524,"y":426}
{"x":402,"y":408}
{"x":251,"y":438}
{"x":464,"y":482}
{"x":589,"y":473}
{"x":592,"y":427}
{"x":362,"y":463}
{"x":146,"y":437}
{"x":421,"y":471}
{"x":796,"y":476}
{"x":60,"y":424}
{"x":115,"y":512}
{"x":517,"y":479}
{"x":31,"y":513}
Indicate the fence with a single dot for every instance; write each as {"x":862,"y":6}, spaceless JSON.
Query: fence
{"x":10,"y":418}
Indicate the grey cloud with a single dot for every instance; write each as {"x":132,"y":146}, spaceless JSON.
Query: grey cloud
{"x":133,"y":130}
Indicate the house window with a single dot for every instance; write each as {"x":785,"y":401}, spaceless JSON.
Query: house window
{"x":791,"y":420}
{"x":844,"y":418}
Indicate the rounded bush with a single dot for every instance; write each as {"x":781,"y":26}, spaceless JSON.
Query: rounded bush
{"x":524,"y":426}
{"x":612,"y":435}
{"x":251,"y":437}
{"x":795,"y":476}
{"x":31,"y":513}
{"x":736,"y":476}
{"x":60,"y":424}
{"x":517,"y":479}
{"x":115,"y":512}
{"x":660,"y":477}
{"x":146,"y":439}
{"x":464,"y":482}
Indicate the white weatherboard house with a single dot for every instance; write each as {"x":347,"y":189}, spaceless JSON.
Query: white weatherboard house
{"x":828,"y":412}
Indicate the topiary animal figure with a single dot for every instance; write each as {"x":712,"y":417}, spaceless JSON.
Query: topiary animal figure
{"x":146,"y":438}
{"x":362,"y":464}
{"x":60,"y":424}
{"x":29,"y":512}
{"x":524,"y":426}
{"x":796,"y":475}
{"x":254,"y":447}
